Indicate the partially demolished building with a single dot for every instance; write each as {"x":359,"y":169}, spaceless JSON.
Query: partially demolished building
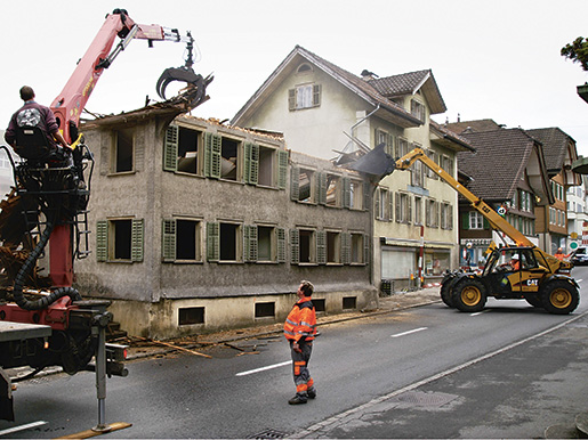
{"x":199,"y":226}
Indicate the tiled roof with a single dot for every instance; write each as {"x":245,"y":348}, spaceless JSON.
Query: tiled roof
{"x":397,"y":85}
{"x":471,"y":126}
{"x":498,"y":164}
{"x":555,"y":144}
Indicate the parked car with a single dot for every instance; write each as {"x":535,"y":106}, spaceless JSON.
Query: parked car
{"x":580,"y":256}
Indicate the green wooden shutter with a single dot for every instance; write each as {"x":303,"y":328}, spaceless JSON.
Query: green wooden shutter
{"x":366,"y":249}
{"x":281,"y":244}
{"x":292,"y":99}
{"x":212,"y":155}
{"x":316,"y":95}
{"x":465,"y":220}
{"x":101,"y":240}
{"x":345,"y":248}
{"x":322,"y":180}
{"x":282,"y":169}
{"x":367,"y":186}
{"x":213,"y":241}
{"x":170,"y":148}
{"x":251,"y":163}
{"x":294,"y":184}
{"x":321,"y":247}
{"x":250,"y":243}
{"x":168,"y":240}
{"x":486,"y":223}
{"x":137,"y":240}
{"x":294,"y":246}
{"x":390,"y":146}
{"x":377,"y":204}
{"x":409,"y":209}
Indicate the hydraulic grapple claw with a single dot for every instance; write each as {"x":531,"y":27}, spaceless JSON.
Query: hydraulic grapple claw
{"x":196,"y":84}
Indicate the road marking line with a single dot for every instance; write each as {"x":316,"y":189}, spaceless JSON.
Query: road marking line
{"x":479,"y":313}
{"x":338,"y":418}
{"x":410,"y":332}
{"x":259,"y":370}
{"x":23,"y":427}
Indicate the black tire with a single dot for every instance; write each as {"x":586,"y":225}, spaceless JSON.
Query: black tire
{"x":446,"y":293}
{"x":469,"y":295}
{"x":534,"y":300}
{"x":560,"y":297}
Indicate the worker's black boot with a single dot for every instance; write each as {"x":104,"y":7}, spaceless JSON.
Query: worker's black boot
{"x":298,"y":399}
{"x":311,"y":393}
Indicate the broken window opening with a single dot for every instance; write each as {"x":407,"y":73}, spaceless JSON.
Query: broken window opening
{"x":123,"y":151}
{"x":356,"y":195}
{"x":333,"y":247}
{"x":357,"y":247}
{"x":230,"y":159}
{"x":265,"y":243}
{"x":267,"y":164}
{"x":307,"y":246}
{"x":306,"y":186}
{"x":122,"y":239}
{"x":230,"y":237}
{"x":188,"y":240}
{"x":333,"y":191}
{"x":189,"y":142}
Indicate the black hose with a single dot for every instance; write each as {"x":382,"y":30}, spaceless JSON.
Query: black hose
{"x":27,"y":267}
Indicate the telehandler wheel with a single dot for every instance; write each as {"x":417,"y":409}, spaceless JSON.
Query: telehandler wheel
{"x":560,"y":297}
{"x":446,"y":293}
{"x":469,"y":295}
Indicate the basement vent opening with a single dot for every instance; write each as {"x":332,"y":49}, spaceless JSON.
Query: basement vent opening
{"x":265,"y":310}
{"x":319,"y":305}
{"x":191,"y":316}
{"x":269,"y":434}
{"x":349,"y":303}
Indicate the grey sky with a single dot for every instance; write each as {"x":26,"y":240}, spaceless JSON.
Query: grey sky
{"x":494,"y":59}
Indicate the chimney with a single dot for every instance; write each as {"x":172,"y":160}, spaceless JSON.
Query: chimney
{"x":366,"y":75}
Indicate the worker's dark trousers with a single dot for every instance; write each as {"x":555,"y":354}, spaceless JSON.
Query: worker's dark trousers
{"x":302,"y":378}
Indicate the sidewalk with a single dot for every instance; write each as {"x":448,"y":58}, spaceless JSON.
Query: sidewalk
{"x":387,"y":304}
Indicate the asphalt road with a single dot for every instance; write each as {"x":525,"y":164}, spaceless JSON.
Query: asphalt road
{"x":430,"y":372}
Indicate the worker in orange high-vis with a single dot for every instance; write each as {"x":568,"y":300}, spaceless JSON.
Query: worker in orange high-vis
{"x":300,"y":330}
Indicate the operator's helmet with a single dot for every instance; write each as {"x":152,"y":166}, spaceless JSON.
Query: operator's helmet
{"x":515,"y":257}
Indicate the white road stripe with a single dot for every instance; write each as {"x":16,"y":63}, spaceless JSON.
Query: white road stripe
{"x":269,"y":367}
{"x":410,"y":332}
{"x":23,"y":427}
{"x":479,"y":313}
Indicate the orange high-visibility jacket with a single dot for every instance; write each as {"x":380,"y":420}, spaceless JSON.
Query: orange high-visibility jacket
{"x":300,"y":324}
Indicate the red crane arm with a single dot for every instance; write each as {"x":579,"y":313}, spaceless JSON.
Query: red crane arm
{"x":68,"y":105}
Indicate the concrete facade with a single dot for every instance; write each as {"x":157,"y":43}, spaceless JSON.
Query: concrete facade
{"x":196,"y":229}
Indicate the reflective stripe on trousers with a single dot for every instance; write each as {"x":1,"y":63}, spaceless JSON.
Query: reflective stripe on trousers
{"x":302,"y":378}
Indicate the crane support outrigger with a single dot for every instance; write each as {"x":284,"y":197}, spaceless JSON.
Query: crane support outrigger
{"x":539,"y":278}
